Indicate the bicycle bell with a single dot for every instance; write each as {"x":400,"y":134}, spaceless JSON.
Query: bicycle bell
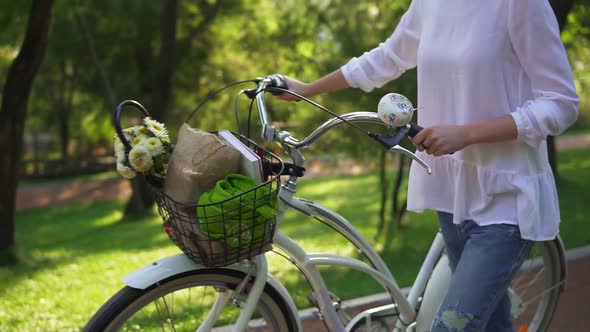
{"x":395,"y":109}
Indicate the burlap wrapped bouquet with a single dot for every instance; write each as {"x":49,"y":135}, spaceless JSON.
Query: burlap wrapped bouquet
{"x":199,"y":160}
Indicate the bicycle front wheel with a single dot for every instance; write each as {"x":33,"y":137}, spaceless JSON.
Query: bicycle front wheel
{"x":182,"y":302}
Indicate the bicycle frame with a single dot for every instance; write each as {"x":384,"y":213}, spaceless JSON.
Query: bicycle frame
{"x":377,"y":269}
{"x":430,"y":284}
{"x":308,"y":263}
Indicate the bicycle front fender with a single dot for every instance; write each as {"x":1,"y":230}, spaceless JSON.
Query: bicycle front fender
{"x":172,"y":265}
{"x":165,"y":268}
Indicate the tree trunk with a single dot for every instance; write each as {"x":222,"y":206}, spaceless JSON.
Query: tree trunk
{"x":13,"y":111}
{"x":397,"y":212}
{"x":561,"y":8}
{"x":384,"y":192}
{"x":162,"y":87}
{"x":64,"y":107}
{"x":160,"y":90}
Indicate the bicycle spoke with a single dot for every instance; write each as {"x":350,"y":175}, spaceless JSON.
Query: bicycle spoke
{"x":159,"y":313}
{"x":170,"y":318}
{"x":544,"y":292}
{"x":537,"y":276}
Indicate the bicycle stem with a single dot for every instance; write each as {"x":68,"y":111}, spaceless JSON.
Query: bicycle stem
{"x":268,"y":131}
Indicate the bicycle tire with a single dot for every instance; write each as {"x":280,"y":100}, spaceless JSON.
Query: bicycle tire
{"x":133,"y":309}
{"x":535,"y":291}
{"x":536,"y":287}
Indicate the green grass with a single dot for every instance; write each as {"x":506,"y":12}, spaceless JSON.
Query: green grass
{"x":73,"y":257}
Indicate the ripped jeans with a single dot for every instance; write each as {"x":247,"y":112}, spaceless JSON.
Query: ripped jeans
{"x":483,"y":260}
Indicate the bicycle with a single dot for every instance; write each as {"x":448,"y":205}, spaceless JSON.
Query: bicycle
{"x":149,"y":299}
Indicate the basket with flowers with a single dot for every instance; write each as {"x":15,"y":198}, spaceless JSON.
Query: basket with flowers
{"x":150,"y":150}
{"x":214,"y":215}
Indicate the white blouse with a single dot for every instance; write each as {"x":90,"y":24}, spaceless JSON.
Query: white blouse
{"x":479,"y":60}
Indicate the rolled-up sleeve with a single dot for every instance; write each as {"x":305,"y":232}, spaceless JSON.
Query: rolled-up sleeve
{"x":535,"y":38}
{"x":391,"y":58}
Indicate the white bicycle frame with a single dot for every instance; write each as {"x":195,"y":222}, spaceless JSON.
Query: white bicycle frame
{"x":377,"y":269}
{"x":308,"y":263}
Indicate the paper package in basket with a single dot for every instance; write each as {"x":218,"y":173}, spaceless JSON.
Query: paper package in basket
{"x":199,"y":160}
{"x":220,"y":230}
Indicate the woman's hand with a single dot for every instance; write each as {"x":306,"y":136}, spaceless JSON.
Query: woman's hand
{"x":441,"y":140}
{"x":295,"y":86}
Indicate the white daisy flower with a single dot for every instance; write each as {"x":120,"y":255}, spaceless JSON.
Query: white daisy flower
{"x":119,"y":145}
{"x":120,"y":156}
{"x":142,"y":131}
{"x":139,"y":140}
{"x":154,"y":146}
{"x":155,"y":127}
{"x":140,"y":159}
{"x":129,"y":133}
{"x":125,"y":171}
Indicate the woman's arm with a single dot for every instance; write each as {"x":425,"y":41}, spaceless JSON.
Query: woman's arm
{"x":332,"y":82}
{"x":535,"y":39}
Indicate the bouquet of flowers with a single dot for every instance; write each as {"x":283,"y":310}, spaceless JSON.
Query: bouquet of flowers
{"x":150,"y":150}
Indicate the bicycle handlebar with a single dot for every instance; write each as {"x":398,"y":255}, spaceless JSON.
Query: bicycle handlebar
{"x":276,"y":84}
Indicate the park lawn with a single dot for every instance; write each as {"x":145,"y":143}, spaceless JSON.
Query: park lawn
{"x":73,"y":257}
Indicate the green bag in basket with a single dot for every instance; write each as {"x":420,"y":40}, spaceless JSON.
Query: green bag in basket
{"x":244,"y":215}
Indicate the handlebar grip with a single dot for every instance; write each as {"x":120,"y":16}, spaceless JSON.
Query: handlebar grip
{"x":414,"y":130}
{"x":277,"y":81}
{"x":117,"y":119}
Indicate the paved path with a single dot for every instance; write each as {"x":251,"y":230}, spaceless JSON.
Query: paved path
{"x":69,"y":192}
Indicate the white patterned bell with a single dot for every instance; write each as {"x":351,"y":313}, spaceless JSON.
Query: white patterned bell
{"x":395,"y":110}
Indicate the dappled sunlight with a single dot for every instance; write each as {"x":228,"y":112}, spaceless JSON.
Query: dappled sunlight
{"x":87,"y":227}
{"x":75,"y":256}
{"x":98,"y":53}
{"x":81,"y":260}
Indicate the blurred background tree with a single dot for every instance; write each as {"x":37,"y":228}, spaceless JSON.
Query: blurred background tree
{"x":170,"y":55}
{"x":13,"y":110}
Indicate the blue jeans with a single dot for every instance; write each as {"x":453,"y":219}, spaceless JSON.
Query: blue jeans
{"x":483,"y":260}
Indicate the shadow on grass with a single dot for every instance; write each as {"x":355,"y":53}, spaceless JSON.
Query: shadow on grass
{"x":87,"y":228}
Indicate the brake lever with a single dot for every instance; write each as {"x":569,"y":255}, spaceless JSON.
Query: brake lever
{"x":411,"y":155}
{"x":392,"y":143}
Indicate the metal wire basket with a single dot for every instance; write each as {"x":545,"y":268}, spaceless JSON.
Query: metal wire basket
{"x":230,"y":230}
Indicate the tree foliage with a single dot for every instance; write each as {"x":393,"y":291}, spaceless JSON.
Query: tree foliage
{"x":103,"y":52}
